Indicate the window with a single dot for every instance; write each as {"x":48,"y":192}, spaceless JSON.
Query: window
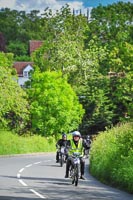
{"x":25,"y":74}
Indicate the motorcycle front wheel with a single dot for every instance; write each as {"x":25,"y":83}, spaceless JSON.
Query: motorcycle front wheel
{"x":61,"y":160}
{"x":76,"y":174}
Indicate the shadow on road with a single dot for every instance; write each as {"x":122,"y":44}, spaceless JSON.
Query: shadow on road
{"x":17,"y":198}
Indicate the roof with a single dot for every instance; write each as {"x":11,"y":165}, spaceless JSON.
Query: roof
{"x":19,"y":66}
{"x":34,"y":44}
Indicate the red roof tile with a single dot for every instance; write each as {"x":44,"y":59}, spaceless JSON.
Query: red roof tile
{"x":34,"y":44}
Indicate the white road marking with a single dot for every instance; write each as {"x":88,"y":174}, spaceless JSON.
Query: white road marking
{"x":36,"y":193}
{"x":37,"y":163}
{"x":18,"y":175}
{"x":21,"y":170}
{"x":22,"y":182}
{"x":28,"y":165}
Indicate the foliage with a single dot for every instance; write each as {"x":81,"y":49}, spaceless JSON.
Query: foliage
{"x":110,"y":27}
{"x":23,"y":58}
{"x":11,"y":143}
{"x":87,"y":62}
{"x":97,"y":104}
{"x":111,"y":157}
{"x":63,"y":46}
{"x":54,"y":105}
{"x":112,"y":23}
{"x":17,"y":48}
{"x":87,"y":52}
{"x":13,"y":103}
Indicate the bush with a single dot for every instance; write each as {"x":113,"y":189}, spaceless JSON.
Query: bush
{"x":111,"y":157}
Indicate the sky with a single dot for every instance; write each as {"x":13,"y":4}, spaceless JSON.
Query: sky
{"x":28,"y":5}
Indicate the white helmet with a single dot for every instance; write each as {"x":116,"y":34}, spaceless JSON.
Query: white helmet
{"x":76,"y":133}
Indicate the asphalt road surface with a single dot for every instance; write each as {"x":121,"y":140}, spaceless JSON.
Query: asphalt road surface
{"x":36,"y":177}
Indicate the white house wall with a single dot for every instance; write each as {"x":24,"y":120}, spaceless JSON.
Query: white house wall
{"x":22,"y":80}
{"x":28,"y":68}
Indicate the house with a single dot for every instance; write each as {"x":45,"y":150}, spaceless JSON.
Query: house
{"x":23,"y":68}
{"x":34,"y":44}
{"x":23,"y":71}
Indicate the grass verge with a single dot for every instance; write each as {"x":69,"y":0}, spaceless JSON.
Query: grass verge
{"x":11,"y":143}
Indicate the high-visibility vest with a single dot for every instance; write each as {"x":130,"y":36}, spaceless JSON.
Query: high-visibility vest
{"x":76,"y":149}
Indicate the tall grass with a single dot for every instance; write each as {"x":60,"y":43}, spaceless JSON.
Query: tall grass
{"x":11,"y":143}
{"x":111,"y":159}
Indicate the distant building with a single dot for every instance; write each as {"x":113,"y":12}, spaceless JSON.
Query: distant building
{"x":23,"y":68}
{"x":34,"y":44}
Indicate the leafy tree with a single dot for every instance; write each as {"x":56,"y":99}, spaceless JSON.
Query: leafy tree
{"x":17,"y":48}
{"x":13,"y":103}
{"x":63,"y":42}
{"x":30,"y":28}
{"x":62,"y":22}
{"x":99,"y":108}
{"x":54,"y":105}
{"x":8,"y":24}
{"x":26,"y":25}
{"x":112,"y":23}
{"x":120,"y":63}
{"x":82,"y":68}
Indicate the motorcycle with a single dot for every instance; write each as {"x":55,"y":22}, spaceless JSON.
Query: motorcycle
{"x":86,"y":153}
{"x":75,"y":168}
{"x":62,"y":156}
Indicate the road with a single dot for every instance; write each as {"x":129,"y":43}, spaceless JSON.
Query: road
{"x":36,"y":177}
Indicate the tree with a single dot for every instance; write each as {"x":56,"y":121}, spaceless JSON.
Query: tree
{"x":112,"y":24}
{"x":13,"y":103}
{"x":54,"y":105}
{"x":64,"y":41}
{"x":17,"y":48}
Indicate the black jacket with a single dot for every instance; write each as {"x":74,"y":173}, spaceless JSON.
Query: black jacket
{"x":62,"y":142}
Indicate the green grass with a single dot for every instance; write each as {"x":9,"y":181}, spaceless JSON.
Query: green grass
{"x":111,"y":159}
{"x":11,"y":143}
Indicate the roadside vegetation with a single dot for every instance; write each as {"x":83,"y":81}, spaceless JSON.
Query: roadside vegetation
{"x":82,"y":79}
{"x":11,"y":143}
{"x":111,"y":157}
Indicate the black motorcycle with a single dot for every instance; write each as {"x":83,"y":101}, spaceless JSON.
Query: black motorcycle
{"x":75,"y":168}
{"x":62,"y":155}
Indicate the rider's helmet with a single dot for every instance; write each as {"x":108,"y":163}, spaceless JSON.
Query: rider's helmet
{"x":88,"y":137}
{"x":76,"y":133}
{"x":64,"y":136}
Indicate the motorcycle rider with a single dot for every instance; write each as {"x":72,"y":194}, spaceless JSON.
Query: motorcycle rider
{"x":87,"y":144}
{"x":75,"y":145}
{"x":59,"y":144}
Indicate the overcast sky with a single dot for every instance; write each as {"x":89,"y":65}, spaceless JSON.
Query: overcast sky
{"x":28,"y":5}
